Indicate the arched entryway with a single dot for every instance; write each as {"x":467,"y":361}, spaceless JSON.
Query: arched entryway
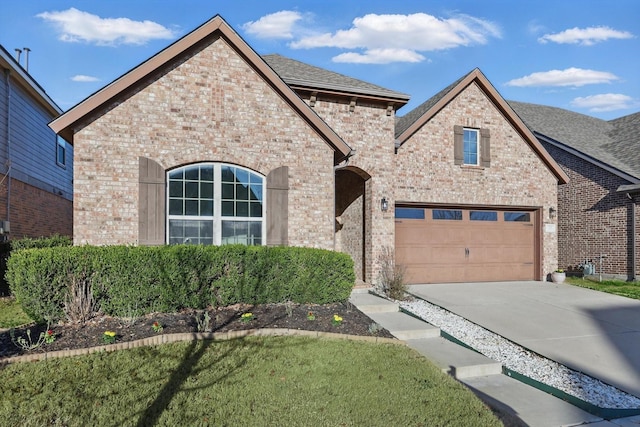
{"x":350,"y":214}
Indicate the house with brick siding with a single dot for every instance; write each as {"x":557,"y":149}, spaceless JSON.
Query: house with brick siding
{"x":208,"y":142}
{"x":598,"y":213}
{"x":36,"y":166}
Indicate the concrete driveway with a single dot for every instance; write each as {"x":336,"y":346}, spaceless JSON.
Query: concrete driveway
{"x":589,"y":331}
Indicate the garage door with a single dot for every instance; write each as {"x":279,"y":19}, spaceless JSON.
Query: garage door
{"x":441,"y":245}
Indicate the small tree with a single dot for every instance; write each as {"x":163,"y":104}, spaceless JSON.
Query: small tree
{"x":391,"y":278}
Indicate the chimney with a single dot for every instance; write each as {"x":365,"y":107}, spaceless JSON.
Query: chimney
{"x":18,"y":52}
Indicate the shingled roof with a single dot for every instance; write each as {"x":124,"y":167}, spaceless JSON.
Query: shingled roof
{"x":615,"y":143}
{"x":297,"y":74}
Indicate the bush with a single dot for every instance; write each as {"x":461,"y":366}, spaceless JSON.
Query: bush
{"x":41,"y":242}
{"x":128,"y":281}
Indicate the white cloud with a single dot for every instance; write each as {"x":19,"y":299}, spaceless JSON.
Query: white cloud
{"x":84,"y":79}
{"x":392,"y":38}
{"x":585,"y":36}
{"x":604,"y":102}
{"x":76,"y":26}
{"x":570,"y":77}
{"x":279,"y":25}
{"x":380,"y":56}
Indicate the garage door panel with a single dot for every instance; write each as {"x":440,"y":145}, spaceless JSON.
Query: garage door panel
{"x":467,"y":250}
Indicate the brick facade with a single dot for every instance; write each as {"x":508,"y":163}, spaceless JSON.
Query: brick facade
{"x":211,"y":107}
{"x":426,"y":172}
{"x":35,"y":212}
{"x":593,"y":218}
{"x":369,"y":131}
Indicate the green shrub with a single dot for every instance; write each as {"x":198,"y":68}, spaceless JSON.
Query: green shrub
{"x":41,"y":242}
{"x":128,"y":281}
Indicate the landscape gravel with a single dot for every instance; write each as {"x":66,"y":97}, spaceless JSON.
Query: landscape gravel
{"x":522,"y":360}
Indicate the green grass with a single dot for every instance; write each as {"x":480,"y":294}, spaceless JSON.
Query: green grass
{"x":11,"y":314}
{"x":617,"y":287}
{"x":258,"y":381}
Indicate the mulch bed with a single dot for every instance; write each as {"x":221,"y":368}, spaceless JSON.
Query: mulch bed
{"x":285,"y":316}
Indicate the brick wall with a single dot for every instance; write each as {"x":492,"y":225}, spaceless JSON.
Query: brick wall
{"x":426,"y":172}
{"x":35,"y":212}
{"x":210,"y":107}
{"x":593,"y":218}
{"x":370,"y":132}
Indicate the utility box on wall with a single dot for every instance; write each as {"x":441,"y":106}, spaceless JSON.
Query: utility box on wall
{"x":4,"y":228}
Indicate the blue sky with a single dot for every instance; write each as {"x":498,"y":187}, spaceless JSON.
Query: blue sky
{"x":582,"y":55}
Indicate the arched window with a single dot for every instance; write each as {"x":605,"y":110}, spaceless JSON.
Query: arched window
{"x":214,"y":204}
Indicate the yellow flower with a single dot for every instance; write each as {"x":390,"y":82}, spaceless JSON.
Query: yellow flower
{"x":337,"y":318}
{"x":110,"y":334}
{"x":245,"y":315}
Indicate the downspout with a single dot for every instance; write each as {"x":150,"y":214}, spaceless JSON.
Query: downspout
{"x":633,"y":238}
{"x":7,"y":75}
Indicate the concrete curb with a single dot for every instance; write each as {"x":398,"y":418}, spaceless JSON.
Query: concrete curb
{"x":190,"y":336}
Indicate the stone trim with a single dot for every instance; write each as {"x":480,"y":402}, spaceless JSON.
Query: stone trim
{"x":189,"y":336}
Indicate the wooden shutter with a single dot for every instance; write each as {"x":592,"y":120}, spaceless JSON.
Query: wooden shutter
{"x":458,"y":145}
{"x":151,"y":204}
{"x":278,"y":207}
{"x":485,"y":148}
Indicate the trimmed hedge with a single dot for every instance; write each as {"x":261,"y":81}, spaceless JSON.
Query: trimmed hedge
{"x":134,"y":280}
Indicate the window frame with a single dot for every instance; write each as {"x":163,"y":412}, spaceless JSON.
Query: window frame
{"x":61,"y":143}
{"x":218,"y":218}
{"x":478,"y":153}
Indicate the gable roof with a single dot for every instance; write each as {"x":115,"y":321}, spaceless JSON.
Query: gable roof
{"x":27,"y":82}
{"x":609,"y":144}
{"x":118,"y":90}
{"x":299,"y":75}
{"x":409,"y":124}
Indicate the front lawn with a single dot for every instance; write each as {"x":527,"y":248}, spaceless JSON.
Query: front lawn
{"x":258,"y":381}
{"x":617,"y":287}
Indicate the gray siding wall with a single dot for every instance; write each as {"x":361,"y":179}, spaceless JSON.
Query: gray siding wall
{"x":33,"y":143}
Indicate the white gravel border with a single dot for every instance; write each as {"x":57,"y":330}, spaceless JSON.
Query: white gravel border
{"x":522,"y":360}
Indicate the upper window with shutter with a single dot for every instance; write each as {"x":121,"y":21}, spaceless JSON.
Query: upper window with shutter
{"x":471,"y":146}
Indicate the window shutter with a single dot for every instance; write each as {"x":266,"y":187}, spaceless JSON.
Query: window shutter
{"x":485,"y":148}
{"x":458,"y":145}
{"x":278,"y":207}
{"x":151,"y":203}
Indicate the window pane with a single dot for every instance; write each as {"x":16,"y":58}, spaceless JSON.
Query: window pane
{"x":206,"y":190}
{"x":255,"y":209}
{"x":227,"y":174}
{"x":242,"y":209}
{"x":242,"y":176}
{"x":190,"y":232}
{"x":409,"y":213}
{"x":483,"y":216}
{"x":192,"y":173}
{"x":227,"y":191}
{"x":191,"y":207}
{"x":256,"y":191}
{"x":242,"y":192}
{"x":175,"y":207}
{"x":243,"y":232}
{"x":176,"y":174}
{"x":517,"y":216}
{"x":446,"y":214}
{"x":206,"y":207}
{"x":191,"y":190}
{"x":227,"y":208}
{"x":175,"y":188}
{"x":206,"y":173}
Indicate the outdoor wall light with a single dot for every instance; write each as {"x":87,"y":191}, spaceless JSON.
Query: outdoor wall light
{"x":552,"y":212}
{"x":384,"y":204}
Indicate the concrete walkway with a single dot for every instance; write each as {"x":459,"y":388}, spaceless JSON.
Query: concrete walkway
{"x":515,"y":403}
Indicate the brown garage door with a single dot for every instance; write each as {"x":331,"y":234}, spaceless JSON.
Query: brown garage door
{"x":440,"y":245}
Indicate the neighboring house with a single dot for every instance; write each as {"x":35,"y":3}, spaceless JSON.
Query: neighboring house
{"x":598,"y":213}
{"x":208,"y":142}
{"x":36,"y":166}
